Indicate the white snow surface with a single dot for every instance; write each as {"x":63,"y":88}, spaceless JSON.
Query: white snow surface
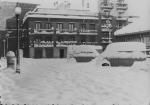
{"x":57,"y":81}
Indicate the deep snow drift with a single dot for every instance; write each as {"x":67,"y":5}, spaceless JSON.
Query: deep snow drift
{"x":59,"y":81}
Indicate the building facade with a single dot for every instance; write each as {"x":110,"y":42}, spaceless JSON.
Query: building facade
{"x":138,"y":31}
{"x":112,"y":18}
{"x":48,"y":32}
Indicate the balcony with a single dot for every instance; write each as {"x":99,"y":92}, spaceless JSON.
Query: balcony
{"x":61,"y":31}
{"x":108,"y":6}
{"x":60,"y":44}
{"x":42,"y":31}
{"x":88,"y":31}
{"x":122,"y":6}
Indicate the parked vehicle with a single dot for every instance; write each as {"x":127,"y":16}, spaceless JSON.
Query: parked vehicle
{"x":85,"y":53}
{"x":124,"y":53}
{"x":148,"y":53}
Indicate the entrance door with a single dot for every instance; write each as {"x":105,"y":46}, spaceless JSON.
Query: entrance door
{"x":62,"y":53}
{"x":49,"y":52}
{"x":38,"y":52}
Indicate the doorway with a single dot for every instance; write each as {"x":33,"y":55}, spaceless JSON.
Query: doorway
{"x":61,"y":53}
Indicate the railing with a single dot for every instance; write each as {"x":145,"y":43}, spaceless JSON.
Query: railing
{"x":88,"y":31}
{"x":62,"y":43}
{"x":122,"y":6}
{"x":106,"y":5}
{"x":48,"y":31}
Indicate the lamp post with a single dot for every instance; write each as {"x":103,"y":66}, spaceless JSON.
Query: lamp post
{"x":4,"y":47}
{"x":7,"y":36}
{"x":17,"y":13}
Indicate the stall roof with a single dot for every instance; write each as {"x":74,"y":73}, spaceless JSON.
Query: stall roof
{"x":139,"y":26}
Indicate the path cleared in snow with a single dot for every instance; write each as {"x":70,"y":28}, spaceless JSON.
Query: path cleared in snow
{"x":58,"y":81}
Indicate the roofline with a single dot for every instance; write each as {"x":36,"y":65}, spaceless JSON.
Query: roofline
{"x":126,"y":34}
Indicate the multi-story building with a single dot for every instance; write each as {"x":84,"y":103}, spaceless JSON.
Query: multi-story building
{"x":138,"y":31}
{"x":50,"y":31}
{"x":112,"y":18}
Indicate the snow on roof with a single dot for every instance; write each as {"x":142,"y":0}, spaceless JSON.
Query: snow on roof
{"x":126,"y":46}
{"x":59,"y":13}
{"x":140,"y":25}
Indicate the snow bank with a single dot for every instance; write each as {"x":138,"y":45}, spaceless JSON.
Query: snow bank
{"x":7,"y":85}
{"x":3,"y":63}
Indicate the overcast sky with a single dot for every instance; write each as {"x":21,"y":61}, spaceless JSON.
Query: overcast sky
{"x":135,"y":7}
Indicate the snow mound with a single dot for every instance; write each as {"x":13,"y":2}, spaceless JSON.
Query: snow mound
{"x":83,"y":50}
{"x":125,"y":50}
{"x":3,"y":63}
{"x":7,"y":85}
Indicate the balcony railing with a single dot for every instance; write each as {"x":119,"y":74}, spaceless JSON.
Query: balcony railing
{"x":122,"y":6}
{"x":62,"y":43}
{"x":107,"y":5}
{"x":61,"y":31}
{"x":88,"y":31}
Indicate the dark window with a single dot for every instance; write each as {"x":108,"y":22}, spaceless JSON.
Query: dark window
{"x":37,"y":26}
{"x":60,"y":26}
{"x":71,"y":26}
{"x":48,"y":26}
{"x":83,"y":27}
{"x":92,"y":27}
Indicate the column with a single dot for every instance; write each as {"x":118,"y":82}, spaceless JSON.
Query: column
{"x":43,"y":52}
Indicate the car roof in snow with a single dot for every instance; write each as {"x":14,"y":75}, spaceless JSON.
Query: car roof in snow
{"x":126,"y":46}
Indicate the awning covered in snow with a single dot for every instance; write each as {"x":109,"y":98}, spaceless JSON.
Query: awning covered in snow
{"x":139,"y":26}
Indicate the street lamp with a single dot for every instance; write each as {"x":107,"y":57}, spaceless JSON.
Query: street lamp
{"x":17,"y":13}
{"x":4,"y":47}
{"x":7,"y":36}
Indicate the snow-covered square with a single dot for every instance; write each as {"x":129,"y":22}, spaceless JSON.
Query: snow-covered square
{"x":65,"y":82}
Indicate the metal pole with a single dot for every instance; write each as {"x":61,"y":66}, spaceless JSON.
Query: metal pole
{"x":109,"y":36}
{"x":17,"y":55}
{"x":4,"y":48}
{"x":7,"y":44}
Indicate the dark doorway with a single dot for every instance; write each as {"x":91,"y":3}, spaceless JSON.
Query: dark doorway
{"x":38,"y":52}
{"x":62,"y":53}
{"x":49,"y":52}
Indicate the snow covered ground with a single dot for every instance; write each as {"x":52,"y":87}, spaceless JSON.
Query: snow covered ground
{"x":59,"y":81}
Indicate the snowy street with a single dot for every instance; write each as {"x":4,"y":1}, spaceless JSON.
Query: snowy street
{"x":59,"y":81}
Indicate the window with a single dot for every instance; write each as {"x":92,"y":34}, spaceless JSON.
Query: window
{"x":71,"y":26}
{"x":60,"y":26}
{"x":37,"y":26}
{"x":48,"y":26}
{"x":92,"y":27}
{"x":83,"y":27}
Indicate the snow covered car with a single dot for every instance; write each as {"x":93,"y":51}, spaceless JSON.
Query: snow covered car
{"x":85,"y":53}
{"x":124,"y":53}
{"x":148,"y":53}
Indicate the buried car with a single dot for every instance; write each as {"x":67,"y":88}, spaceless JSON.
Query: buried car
{"x":84,"y":53}
{"x":123,"y":54}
